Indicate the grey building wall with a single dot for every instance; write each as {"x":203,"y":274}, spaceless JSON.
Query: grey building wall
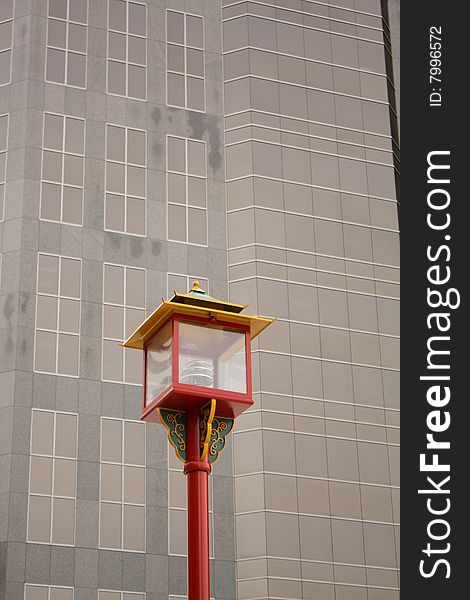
{"x":313,"y":240}
{"x":84,"y":566}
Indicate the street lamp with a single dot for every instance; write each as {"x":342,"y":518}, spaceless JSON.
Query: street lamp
{"x":197,"y":380}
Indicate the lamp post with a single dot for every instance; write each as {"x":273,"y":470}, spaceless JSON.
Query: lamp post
{"x":197,"y":380}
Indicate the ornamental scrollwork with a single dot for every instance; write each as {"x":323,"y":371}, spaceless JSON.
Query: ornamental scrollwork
{"x":221,"y":427}
{"x":175,"y":423}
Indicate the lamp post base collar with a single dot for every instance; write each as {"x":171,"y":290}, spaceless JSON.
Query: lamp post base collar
{"x":197,"y":465}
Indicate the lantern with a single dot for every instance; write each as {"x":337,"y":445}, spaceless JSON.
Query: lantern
{"x":197,"y":348}
{"x":197,"y":380}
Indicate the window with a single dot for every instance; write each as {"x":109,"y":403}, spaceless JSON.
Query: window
{"x":282,"y":537}
{"x":52,"y":480}
{"x":62,"y":169}
{"x":251,"y":535}
{"x":47,"y":592}
{"x":126,"y":160}
{"x":127,"y":49}
{"x":235,"y":34}
{"x":185,"y":60}
{"x":122,"y":486}
{"x":315,"y":539}
{"x":123,"y":312}
{"x":186,"y":190}
{"x":6,"y":40}
{"x":111,"y":595}
{"x":183,"y":283}
{"x":67,"y":42}
{"x":262,"y":33}
{"x":57,"y":344}
{"x":3,"y":161}
{"x":177,"y":512}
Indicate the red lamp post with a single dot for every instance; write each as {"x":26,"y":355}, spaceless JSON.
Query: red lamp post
{"x":197,"y":380}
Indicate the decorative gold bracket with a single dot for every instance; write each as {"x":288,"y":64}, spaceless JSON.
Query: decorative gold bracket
{"x":221,"y":427}
{"x":175,"y":423}
{"x":205,"y":426}
{"x":213,"y":431}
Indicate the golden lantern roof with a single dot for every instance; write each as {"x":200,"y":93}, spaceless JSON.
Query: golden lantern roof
{"x":196,"y":303}
{"x":198,"y":297}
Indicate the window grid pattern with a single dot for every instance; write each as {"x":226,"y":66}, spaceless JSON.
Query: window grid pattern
{"x":115,"y":595}
{"x":47,"y":592}
{"x":63,"y":159}
{"x":326,"y":137}
{"x":387,"y":290}
{"x":375,"y":152}
{"x":122,"y":485}
{"x":53,"y":478}
{"x":185,"y":60}
{"x":125,"y":198}
{"x":6,"y":40}
{"x":67,"y":42}
{"x":187,"y":190}
{"x":123,"y":312}
{"x":177,"y":511}
{"x":3,"y":162}
{"x":127,"y":49}
{"x":312,"y":232}
{"x":184,"y":283}
{"x":57,"y":344}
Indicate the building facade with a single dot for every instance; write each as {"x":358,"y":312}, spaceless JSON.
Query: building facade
{"x":313,"y":239}
{"x":250,"y":145}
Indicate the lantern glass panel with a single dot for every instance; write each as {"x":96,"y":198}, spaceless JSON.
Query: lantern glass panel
{"x":159,"y":363}
{"x":212,"y":357}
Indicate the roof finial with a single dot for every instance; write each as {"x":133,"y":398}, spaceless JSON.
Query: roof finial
{"x":196,"y":289}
